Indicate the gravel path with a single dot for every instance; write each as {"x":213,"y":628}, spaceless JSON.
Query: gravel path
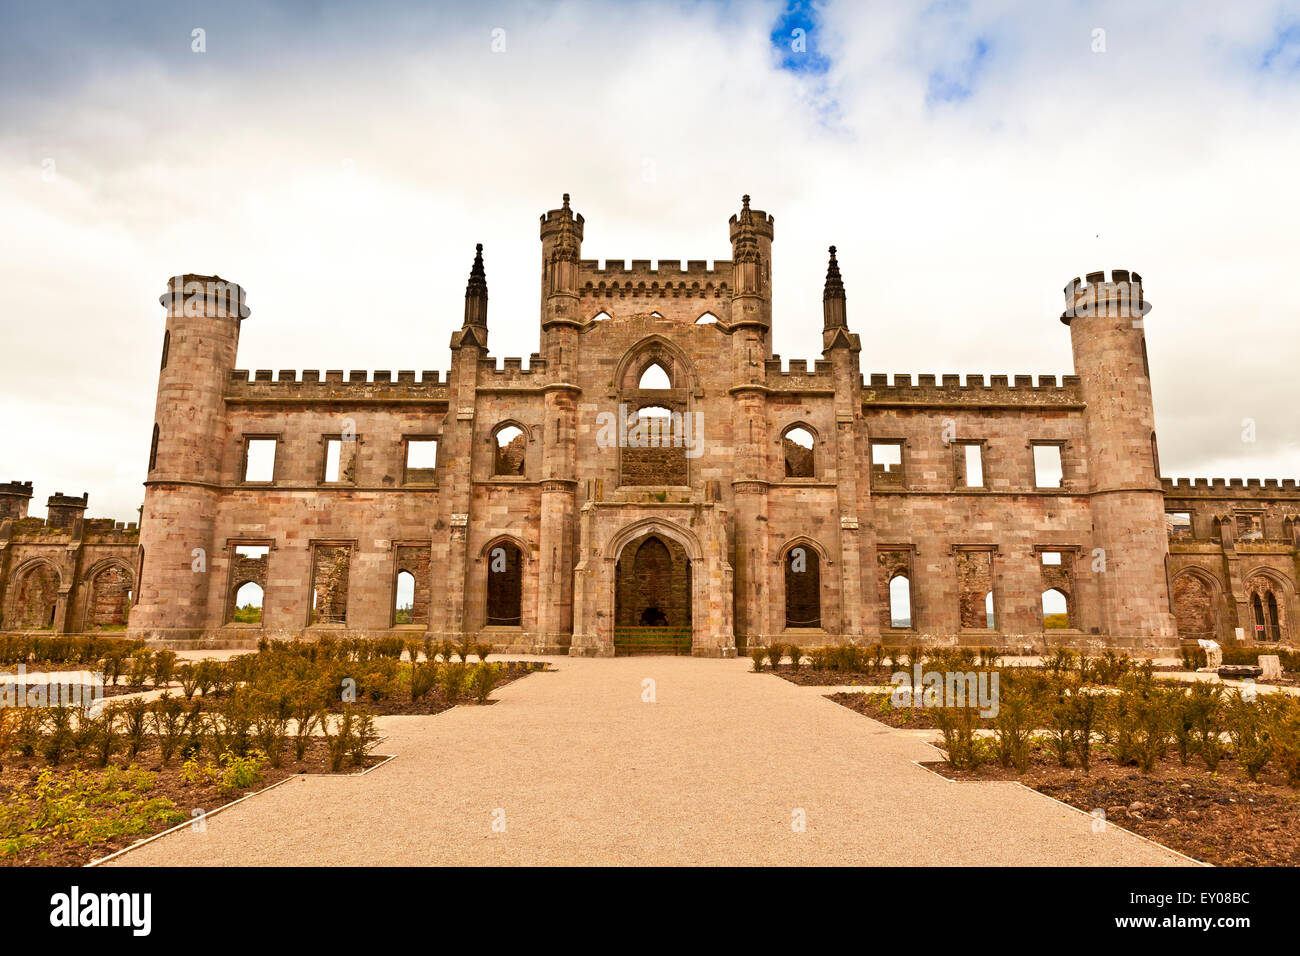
{"x":581,"y":771}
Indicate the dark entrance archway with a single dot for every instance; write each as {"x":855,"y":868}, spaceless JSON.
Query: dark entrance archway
{"x":652,"y":599}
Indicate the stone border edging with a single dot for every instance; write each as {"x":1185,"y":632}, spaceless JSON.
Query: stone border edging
{"x":1062,"y":803}
{"x":226,"y":806}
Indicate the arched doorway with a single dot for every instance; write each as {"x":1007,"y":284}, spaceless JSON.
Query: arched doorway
{"x":33,"y":598}
{"x":109,"y":602}
{"x":652,"y":598}
{"x":1195,"y":610}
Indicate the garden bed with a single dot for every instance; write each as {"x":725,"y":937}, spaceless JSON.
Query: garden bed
{"x":1220,"y":818}
{"x":816,"y":677}
{"x":72,"y":814}
{"x":880,"y":706}
{"x":435,"y":701}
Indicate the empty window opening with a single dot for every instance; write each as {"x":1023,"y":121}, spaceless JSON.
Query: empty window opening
{"x":259,"y":462}
{"x":1047,"y":466}
{"x":248,"y":603}
{"x":708,"y":318}
{"x":504,"y":585}
{"x":153,"y":450}
{"x":509,"y":450}
{"x":404,"y":602}
{"x":900,"y":601}
{"x":655,"y":377}
{"x":803,"y":588}
{"x":887,"y":464}
{"x":989,"y":620}
{"x":1274,"y":631}
{"x":421,"y":459}
{"x":973,"y":466}
{"x":1178,"y":524}
{"x":167,"y":344}
{"x":329,"y":588}
{"x":601,"y":316}
{"x":655,"y":447}
{"x":657,"y":315}
{"x":412,"y":587}
{"x":1051,"y":557}
{"x":248,"y":571}
{"x":1250,"y":527}
{"x":340,"y":460}
{"x":797,"y":445}
{"x":1056,"y":610}
{"x":974,"y":587}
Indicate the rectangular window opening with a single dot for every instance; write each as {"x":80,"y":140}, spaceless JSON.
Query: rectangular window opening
{"x":973,"y":456}
{"x":1047,"y":466}
{"x":259,"y":464}
{"x":1178,"y":524}
{"x":333,"y":459}
{"x":421,"y":459}
{"x":887,"y":464}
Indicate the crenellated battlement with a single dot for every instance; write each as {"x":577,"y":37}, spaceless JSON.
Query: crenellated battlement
{"x":617,"y":278}
{"x":1230,"y":487}
{"x":512,"y":369}
{"x":796,"y":372}
{"x":21,"y":488}
{"x":335,"y":384}
{"x":1094,"y":295}
{"x":950,"y":389}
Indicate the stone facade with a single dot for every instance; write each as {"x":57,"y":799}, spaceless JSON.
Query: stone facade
{"x":655,"y":465}
{"x":67,"y":573}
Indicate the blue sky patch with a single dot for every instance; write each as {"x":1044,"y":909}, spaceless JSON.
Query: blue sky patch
{"x":796,"y":39}
{"x":1283,"y":56}
{"x":956,"y":81}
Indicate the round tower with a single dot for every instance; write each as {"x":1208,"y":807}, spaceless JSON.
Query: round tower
{"x":1110,"y":358}
{"x":200,"y":342}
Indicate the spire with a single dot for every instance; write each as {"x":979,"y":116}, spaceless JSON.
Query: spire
{"x":833,"y":298}
{"x":476,"y":293}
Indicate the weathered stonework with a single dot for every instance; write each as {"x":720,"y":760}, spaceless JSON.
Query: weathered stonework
{"x":67,"y":573}
{"x":573,"y":529}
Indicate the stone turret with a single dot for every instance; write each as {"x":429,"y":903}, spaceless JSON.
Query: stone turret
{"x":14,"y":498}
{"x":64,"y":511}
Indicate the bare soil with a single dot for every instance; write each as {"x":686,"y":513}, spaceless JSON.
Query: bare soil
{"x":1219,"y":818}
{"x":878,"y":707}
{"x":813,"y":677}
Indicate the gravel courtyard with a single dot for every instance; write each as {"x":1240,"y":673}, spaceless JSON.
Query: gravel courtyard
{"x":575,"y":767}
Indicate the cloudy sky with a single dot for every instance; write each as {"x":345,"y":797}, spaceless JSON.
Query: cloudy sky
{"x":340,"y":162}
